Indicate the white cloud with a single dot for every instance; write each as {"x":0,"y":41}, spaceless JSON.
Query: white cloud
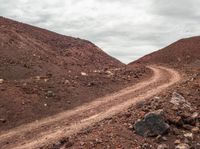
{"x":125,"y":29}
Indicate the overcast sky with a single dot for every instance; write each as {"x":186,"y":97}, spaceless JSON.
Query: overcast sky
{"x":126,"y":29}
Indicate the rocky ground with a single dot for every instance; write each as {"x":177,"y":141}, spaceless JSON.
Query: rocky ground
{"x":179,"y":53}
{"x":167,"y":121}
{"x":43,"y":73}
{"x":30,"y":99}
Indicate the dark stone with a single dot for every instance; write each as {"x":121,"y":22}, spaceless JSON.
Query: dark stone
{"x":152,"y":125}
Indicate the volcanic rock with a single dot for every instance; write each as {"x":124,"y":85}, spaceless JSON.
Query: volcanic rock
{"x":153,"y":124}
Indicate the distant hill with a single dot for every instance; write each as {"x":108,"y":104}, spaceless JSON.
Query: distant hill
{"x":28,"y":51}
{"x":185,"y":51}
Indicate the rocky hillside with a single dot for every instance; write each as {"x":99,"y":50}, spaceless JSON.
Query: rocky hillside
{"x":182,"y":52}
{"x":27,"y":51}
{"x":43,"y":73}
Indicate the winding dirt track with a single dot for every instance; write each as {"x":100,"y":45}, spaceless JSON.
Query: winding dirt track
{"x":53,"y":128}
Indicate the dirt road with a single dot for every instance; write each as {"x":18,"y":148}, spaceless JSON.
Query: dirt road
{"x":53,"y":128}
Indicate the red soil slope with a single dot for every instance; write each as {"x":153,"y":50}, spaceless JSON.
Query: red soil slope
{"x":185,"y":51}
{"x":45,"y":73}
{"x":27,"y":51}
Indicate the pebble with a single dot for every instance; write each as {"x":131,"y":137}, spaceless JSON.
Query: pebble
{"x":66,"y":82}
{"x":182,"y":146}
{"x":49,"y":94}
{"x":189,"y":136}
{"x":3,"y":120}
{"x":195,"y":130}
{"x":69,"y":102}
{"x":177,"y":142}
{"x":98,"y":140}
{"x":82,"y":143}
{"x":162,"y":146}
{"x":83,"y":74}
{"x":38,"y":77}
{"x":164,"y":138}
{"x":1,"y":81}
{"x":195,"y":115}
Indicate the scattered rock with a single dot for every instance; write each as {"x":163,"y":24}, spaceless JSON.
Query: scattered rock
{"x":23,"y":103}
{"x":90,"y":84}
{"x":179,"y":100}
{"x":82,"y":143}
{"x":189,"y":136}
{"x":146,"y":146}
{"x":97,"y":71}
{"x":187,"y":127}
{"x":164,"y":138}
{"x":49,"y":94}
{"x":195,"y":115}
{"x":109,"y":73}
{"x":37,"y":77}
{"x":66,"y":82}
{"x":152,"y":125}
{"x":159,"y":138}
{"x":177,"y":142}
{"x":62,"y":144}
{"x":1,"y":81}
{"x":45,"y":80}
{"x":69,"y":102}
{"x":24,"y":84}
{"x":98,"y":140}
{"x":162,"y":146}
{"x":195,"y":130}
{"x":2,"y":120}
{"x":182,"y":146}
{"x":83,"y":74}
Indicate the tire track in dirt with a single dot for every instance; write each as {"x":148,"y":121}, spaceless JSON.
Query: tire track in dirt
{"x":53,"y":128}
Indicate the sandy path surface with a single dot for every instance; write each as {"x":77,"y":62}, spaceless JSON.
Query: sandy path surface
{"x":53,"y":128}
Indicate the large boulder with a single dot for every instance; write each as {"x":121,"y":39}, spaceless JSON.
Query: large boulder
{"x":152,"y":125}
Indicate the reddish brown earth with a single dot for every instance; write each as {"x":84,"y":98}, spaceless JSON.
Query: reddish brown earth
{"x":52,"y":83}
{"x":46,"y":73}
{"x":118,"y":132}
{"x":65,"y":124}
{"x":183,"y":52}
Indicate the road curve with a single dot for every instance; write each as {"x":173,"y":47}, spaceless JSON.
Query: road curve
{"x":53,"y":128}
